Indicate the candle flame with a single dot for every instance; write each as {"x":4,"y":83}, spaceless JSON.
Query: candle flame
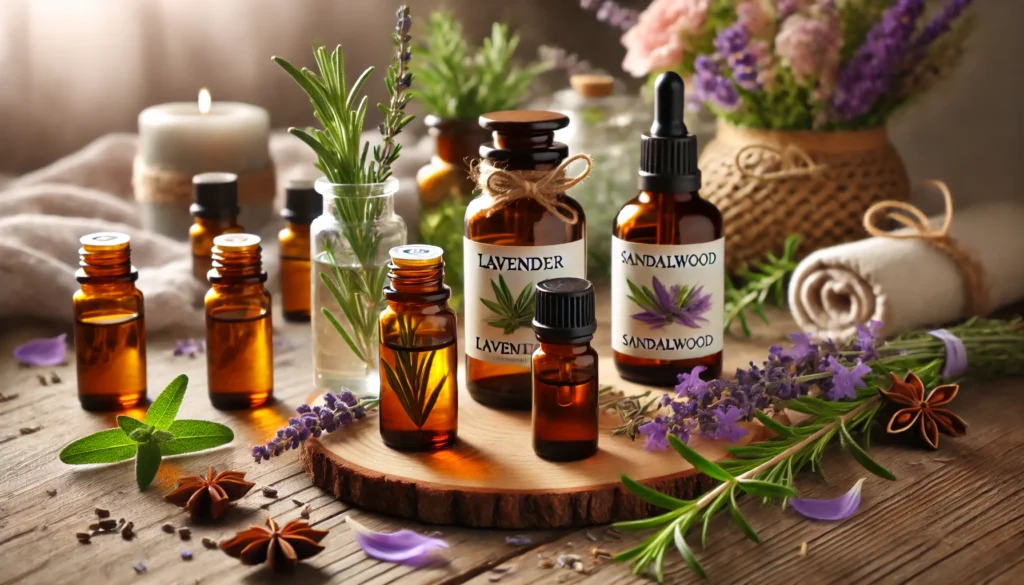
{"x":205,"y":101}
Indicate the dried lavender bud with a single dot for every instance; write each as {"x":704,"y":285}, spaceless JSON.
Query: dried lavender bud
{"x":269,"y":492}
{"x":590,"y":536}
{"x":209,"y":543}
{"x":51,"y":493}
{"x":105,"y":525}
{"x":305,"y":512}
{"x":168,"y":528}
{"x":184,"y":533}
{"x":42,"y":379}
{"x":546,"y":564}
{"x":6,"y":397}
{"x":100,"y":512}
{"x":186,"y":555}
{"x":518,"y":540}
{"x":29,"y":430}
{"x":139,"y":568}
{"x":83,"y":537}
{"x":54,"y":378}
{"x":298,"y":502}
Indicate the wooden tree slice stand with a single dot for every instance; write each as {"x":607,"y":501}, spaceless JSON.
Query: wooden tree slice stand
{"x":492,"y":478}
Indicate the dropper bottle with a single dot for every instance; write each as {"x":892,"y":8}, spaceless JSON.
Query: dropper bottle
{"x":668,"y":258}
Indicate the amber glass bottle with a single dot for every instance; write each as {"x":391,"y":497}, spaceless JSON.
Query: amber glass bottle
{"x":446,"y":176}
{"x":239,"y":343}
{"x":668,"y":258}
{"x":508,"y":248}
{"x":215,"y":210}
{"x":565,"y":371}
{"x":110,"y":328}
{"x":419,"y":396}
{"x":302,"y":205}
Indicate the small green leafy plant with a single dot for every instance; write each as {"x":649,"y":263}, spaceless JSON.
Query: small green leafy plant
{"x":460,"y":82}
{"x":510,"y":314}
{"x":149,"y":440}
{"x":442,"y":227}
{"x":410,"y":376}
{"x":764,"y":281}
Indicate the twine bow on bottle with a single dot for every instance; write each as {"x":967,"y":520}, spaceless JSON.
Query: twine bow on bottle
{"x":505,"y":186}
{"x":920,"y":229}
{"x":793,"y":162}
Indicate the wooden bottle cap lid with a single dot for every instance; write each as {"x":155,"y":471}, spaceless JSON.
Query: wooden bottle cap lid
{"x":523,"y":121}
{"x":592,"y":85}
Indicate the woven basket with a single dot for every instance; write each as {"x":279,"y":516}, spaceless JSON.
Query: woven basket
{"x":769,"y":184}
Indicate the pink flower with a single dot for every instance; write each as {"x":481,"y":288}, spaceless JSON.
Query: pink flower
{"x":810,"y":47}
{"x":755,"y":16}
{"x":658,"y":41}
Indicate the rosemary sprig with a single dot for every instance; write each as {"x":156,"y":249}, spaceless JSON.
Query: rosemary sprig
{"x":409,"y":378}
{"x":510,"y":314}
{"x":764,"y":281}
{"x":344,"y":160}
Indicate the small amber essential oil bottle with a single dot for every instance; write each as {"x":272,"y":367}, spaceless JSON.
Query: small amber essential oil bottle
{"x":419,"y":395}
{"x":564,"y":370}
{"x":508,"y":247}
{"x":110,"y":326}
{"x":668,"y":258}
{"x":302,"y":205}
{"x":239,"y":342}
{"x":215,"y":209}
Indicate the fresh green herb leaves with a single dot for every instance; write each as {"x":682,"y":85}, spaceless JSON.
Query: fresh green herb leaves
{"x":409,"y":378}
{"x":151,"y":439}
{"x":764,"y":281}
{"x":510,"y":314}
{"x":459,"y":82}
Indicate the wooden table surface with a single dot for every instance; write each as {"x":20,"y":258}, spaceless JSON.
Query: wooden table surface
{"x":952,"y":516}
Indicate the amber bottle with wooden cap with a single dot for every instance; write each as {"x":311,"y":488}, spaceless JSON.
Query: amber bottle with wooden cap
{"x":565,"y":384}
{"x":110,"y":327}
{"x":302,"y":205}
{"x":668,"y":258}
{"x":215,"y":211}
{"x":446,"y":177}
{"x":419,"y":394}
{"x":239,"y":342}
{"x":511,"y":244}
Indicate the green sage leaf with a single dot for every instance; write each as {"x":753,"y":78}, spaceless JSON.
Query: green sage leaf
{"x":861,"y":455}
{"x":195,"y":435}
{"x":653,"y":496}
{"x":701,"y":464}
{"x":147,"y":462}
{"x":109,"y":446}
{"x":163,"y":436}
{"x":142,"y":434}
{"x":163,"y":410}
{"x":129,"y":424}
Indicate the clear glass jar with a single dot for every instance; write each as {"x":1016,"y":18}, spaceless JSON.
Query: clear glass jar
{"x":349,"y":247}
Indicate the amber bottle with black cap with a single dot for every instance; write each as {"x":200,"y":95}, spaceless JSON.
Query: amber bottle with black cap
{"x":215,"y":211}
{"x":668,"y":258}
{"x":512,"y":242}
{"x":302,"y":205}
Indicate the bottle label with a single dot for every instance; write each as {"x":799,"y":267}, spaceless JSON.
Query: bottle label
{"x":667,"y":301}
{"x":499,"y":289}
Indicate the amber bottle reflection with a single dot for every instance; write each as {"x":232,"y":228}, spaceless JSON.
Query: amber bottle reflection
{"x":419,"y":402}
{"x":215,"y":212}
{"x":446,"y":176}
{"x":565,"y":411}
{"x":110,"y":329}
{"x":523,"y":141}
{"x":302,"y":205}
{"x":239,"y":343}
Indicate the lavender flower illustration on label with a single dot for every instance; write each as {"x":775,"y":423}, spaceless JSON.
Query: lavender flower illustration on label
{"x":663,"y":306}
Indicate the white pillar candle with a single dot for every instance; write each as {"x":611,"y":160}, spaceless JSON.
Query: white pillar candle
{"x":182,"y":139}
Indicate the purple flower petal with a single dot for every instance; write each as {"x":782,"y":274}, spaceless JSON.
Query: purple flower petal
{"x":666,"y":300}
{"x":518,"y":540}
{"x":691,"y":385}
{"x":656,"y":432}
{"x":189,"y":347}
{"x":47,"y":351}
{"x":405,"y":546}
{"x":839,"y":508}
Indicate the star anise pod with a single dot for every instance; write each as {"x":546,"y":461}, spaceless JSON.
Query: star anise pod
{"x":210,"y":495}
{"x":915,"y":409}
{"x":281,"y":549}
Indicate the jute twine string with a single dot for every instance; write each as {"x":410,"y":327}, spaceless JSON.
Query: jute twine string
{"x":504,"y":186}
{"x":972,"y":272}
{"x":157,"y":184}
{"x":793,"y":162}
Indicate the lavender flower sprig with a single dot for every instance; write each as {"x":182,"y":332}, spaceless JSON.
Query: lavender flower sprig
{"x":398,"y":80}
{"x":612,"y":13}
{"x":339,"y":411}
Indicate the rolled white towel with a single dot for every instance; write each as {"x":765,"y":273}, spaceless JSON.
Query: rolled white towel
{"x":908,"y":284}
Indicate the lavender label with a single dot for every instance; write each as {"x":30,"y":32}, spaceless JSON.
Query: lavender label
{"x":667,"y":301}
{"x":499,"y":285}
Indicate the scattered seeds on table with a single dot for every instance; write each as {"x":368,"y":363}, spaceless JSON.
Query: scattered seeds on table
{"x":546,"y":563}
{"x":139,"y":568}
{"x":184,"y":533}
{"x":100,"y":512}
{"x":83,"y":537}
{"x":568,"y":560}
{"x":42,"y":379}
{"x":614,"y":534}
{"x":51,"y":493}
{"x":30,"y":430}
{"x":298,"y":502}
{"x":7,"y":438}
{"x":803,"y":549}
{"x":568,"y":544}
{"x":269,"y":492}
{"x":168,"y":528}
{"x":128,"y":532}
{"x":54,"y":378}
{"x":305,"y":512}
{"x":600,"y":553}
{"x":590,"y":536}
{"x":209,"y":543}
{"x":6,"y":397}
{"x":518,"y":540}
{"x":186,"y":555}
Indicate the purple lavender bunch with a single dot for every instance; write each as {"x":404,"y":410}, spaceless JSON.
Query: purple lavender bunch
{"x":664,"y":306}
{"x":941,"y":23}
{"x":612,"y":13}
{"x":711,"y":86}
{"x":338,"y":411}
{"x":868,"y":74}
{"x":732,"y":45}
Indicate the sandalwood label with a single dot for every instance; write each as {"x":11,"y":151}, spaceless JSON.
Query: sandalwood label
{"x":499,"y":289}
{"x":667,"y":301}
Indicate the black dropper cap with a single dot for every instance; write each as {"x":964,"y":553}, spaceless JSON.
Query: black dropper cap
{"x":215,"y":195}
{"x":564,"y":310}
{"x":302,"y":204}
{"x":668,"y":153}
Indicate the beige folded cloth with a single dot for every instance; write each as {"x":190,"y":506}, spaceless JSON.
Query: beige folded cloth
{"x":906,"y":283}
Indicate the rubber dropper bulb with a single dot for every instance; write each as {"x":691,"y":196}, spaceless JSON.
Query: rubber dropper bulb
{"x":669,"y":98}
